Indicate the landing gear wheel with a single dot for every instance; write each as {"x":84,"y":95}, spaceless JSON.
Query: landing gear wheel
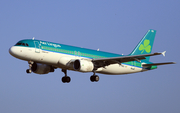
{"x":94,"y":78}
{"x":28,"y":71}
{"x":66,"y":79}
{"x":63,"y":79}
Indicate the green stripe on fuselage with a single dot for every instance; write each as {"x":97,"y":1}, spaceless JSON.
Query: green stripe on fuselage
{"x":70,"y":52}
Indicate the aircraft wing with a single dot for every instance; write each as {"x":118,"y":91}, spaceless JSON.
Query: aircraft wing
{"x":101,"y":62}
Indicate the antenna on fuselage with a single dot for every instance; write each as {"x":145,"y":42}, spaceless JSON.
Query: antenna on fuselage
{"x":98,"y":49}
{"x":33,"y":38}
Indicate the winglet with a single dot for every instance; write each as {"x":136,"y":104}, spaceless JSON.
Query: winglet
{"x":163,"y":53}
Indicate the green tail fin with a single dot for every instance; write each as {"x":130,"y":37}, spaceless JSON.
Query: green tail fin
{"x":146,"y":44}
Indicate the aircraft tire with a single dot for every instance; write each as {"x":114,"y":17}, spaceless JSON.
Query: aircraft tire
{"x":94,"y":78}
{"x":28,"y":71}
{"x":66,"y":79}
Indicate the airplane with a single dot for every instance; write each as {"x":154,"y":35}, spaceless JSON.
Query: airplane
{"x":44,"y":57}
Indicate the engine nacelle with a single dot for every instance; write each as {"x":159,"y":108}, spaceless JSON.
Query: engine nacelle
{"x":41,"y":68}
{"x":83,"y":65}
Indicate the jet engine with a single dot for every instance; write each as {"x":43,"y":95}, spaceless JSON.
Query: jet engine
{"x":83,"y":65}
{"x":41,"y":68}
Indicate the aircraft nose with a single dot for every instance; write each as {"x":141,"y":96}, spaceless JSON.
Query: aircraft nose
{"x":12,"y":51}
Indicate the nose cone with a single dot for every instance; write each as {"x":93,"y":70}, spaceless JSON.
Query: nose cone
{"x":13,"y":51}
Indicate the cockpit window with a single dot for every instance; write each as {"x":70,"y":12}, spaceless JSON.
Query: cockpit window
{"x":18,"y":43}
{"x":23,"y":44}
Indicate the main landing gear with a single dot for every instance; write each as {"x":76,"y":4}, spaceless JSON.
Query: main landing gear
{"x":65,"y":79}
{"x":94,"y":77}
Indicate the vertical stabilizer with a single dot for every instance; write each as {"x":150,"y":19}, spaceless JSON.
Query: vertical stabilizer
{"x":146,"y":44}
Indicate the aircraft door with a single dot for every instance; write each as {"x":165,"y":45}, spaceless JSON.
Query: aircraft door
{"x":37,"y":46}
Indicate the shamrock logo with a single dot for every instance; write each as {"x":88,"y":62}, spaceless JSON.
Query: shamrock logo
{"x":145,"y":47}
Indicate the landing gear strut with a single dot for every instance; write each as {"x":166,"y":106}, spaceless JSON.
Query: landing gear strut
{"x":94,"y":77}
{"x":65,"y":79}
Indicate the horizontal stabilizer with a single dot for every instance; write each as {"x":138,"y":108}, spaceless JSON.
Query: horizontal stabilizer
{"x":156,"y":64}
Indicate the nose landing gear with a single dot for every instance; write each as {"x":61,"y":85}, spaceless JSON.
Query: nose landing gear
{"x":30,"y":67}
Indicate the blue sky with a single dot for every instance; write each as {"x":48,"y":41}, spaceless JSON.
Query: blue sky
{"x":113,"y":26}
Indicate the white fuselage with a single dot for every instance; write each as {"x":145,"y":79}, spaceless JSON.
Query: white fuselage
{"x":57,"y":59}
